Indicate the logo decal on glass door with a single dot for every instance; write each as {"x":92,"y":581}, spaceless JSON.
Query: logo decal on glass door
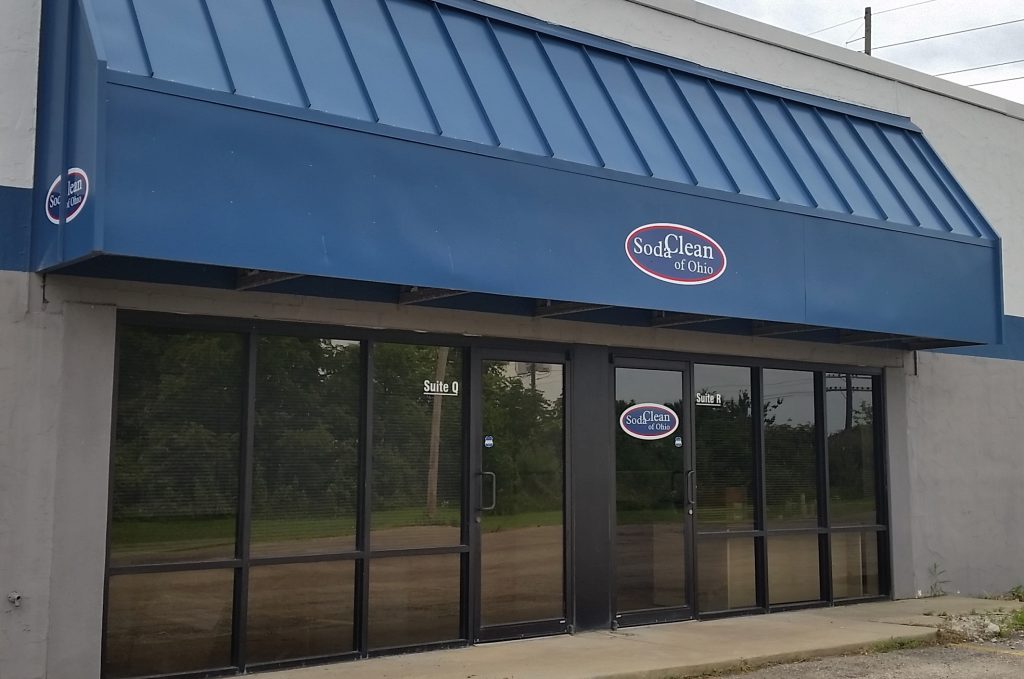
{"x":649,"y":421}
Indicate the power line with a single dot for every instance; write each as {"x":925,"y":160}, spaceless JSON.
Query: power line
{"x":993,"y":82}
{"x":884,"y":11}
{"x":978,"y":68}
{"x":848,"y":41}
{"x":913,"y":4}
{"x":944,"y":35}
{"x":829,"y":28}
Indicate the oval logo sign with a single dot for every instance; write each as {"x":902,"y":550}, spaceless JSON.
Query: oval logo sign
{"x":77,"y":191}
{"x":675,"y":254}
{"x":649,"y":421}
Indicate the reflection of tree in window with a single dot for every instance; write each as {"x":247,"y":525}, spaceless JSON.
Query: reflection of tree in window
{"x":527,"y":426}
{"x":850,"y":419}
{"x":791,"y":475}
{"x":649,"y":472}
{"x":725,"y":463}
{"x":306,"y":441}
{"x":417,"y":442}
{"x":176,"y":452}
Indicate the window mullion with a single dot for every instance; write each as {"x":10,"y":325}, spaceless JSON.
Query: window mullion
{"x":824,"y":520}
{"x":761,"y":507}
{"x":245,"y":469}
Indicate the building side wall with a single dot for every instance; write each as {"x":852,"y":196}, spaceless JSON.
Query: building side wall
{"x":19,"y":64}
{"x":30,"y":387}
{"x":966,"y":462}
{"x":80,"y":491}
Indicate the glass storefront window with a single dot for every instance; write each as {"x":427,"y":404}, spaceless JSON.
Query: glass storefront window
{"x":176,"y":446}
{"x":522,"y":539}
{"x":301,"y":610}
{"x":726,"y":573}
{"x":851,"y":449}
{"x":855,"y":564}
{"x":790,"y":456}
{"x":414,"y":600}
{"x":305,"y":488}
{"x":651,"y":539}
{"x":793,"y":568}
{"x":418,"y":446}
{"x":168,"y":623}
{"x":199,"y":459}
{"x":724,"y":435}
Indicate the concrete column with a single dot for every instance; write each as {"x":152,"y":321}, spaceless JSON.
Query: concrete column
{"x":81,"y":492}
{"x":900,"y":509}
{"x":30,"y":366}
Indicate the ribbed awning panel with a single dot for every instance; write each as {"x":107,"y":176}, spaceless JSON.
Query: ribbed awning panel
{"x":461,"y":72}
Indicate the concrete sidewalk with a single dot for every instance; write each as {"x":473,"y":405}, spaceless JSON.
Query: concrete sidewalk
{"x":671,"y":650}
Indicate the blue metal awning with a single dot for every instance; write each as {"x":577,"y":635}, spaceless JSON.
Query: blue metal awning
{"x":449,"y":145}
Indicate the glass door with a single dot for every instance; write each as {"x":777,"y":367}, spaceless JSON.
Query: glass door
{"x":521,"y":513}
{"x":655,"y":495}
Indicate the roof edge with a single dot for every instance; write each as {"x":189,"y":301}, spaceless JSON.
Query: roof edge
{"x":723,"y":20}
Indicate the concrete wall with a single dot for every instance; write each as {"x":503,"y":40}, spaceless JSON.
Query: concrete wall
{"x":30,"y":364}
{"x":965,"y":452}
{"x":19,"y":63}
{"x":56,"y":390}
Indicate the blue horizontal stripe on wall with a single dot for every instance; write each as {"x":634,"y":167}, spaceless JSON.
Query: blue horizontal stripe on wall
{"x":15,"y":228}
{"x":1011,"y":348}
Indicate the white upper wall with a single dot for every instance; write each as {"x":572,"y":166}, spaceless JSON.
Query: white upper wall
{"x":19,"y":65}
{"x":980,"y":136}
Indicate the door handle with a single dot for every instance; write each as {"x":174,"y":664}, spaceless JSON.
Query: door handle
{"x":691,"y":488}
{"x":494,"y":490}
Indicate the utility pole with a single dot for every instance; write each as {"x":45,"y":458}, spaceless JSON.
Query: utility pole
{"x":849,"y":401}
{"x":867,"y":30}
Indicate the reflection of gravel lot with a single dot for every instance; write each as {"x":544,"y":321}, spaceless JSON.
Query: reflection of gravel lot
{"x":936,"y":662}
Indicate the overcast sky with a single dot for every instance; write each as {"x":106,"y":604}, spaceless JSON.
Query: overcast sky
{"x":978,"y":48}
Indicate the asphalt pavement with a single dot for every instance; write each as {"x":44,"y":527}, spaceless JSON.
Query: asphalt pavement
{"x":984,"y":661}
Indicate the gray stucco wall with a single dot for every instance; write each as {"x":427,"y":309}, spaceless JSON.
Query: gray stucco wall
{"x":30,"y":359}
{"x":965,"y":465}
{"x":19,"y":60}
{"x":56,"y":382}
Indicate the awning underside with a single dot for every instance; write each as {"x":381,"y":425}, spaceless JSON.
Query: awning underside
{"x":224,"y":278}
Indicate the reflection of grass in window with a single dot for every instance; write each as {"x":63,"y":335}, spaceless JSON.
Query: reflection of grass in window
{"x":500,"y":522}
{"x":648,"y":516}
{"x":172,"y":535}
{"x":860,"y":508}
{"x":415,"y":516}
{"x":180,"y":535}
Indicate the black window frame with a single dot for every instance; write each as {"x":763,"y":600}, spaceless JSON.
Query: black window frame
{"x":824,"y":530}
{"x":473,"y":346}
